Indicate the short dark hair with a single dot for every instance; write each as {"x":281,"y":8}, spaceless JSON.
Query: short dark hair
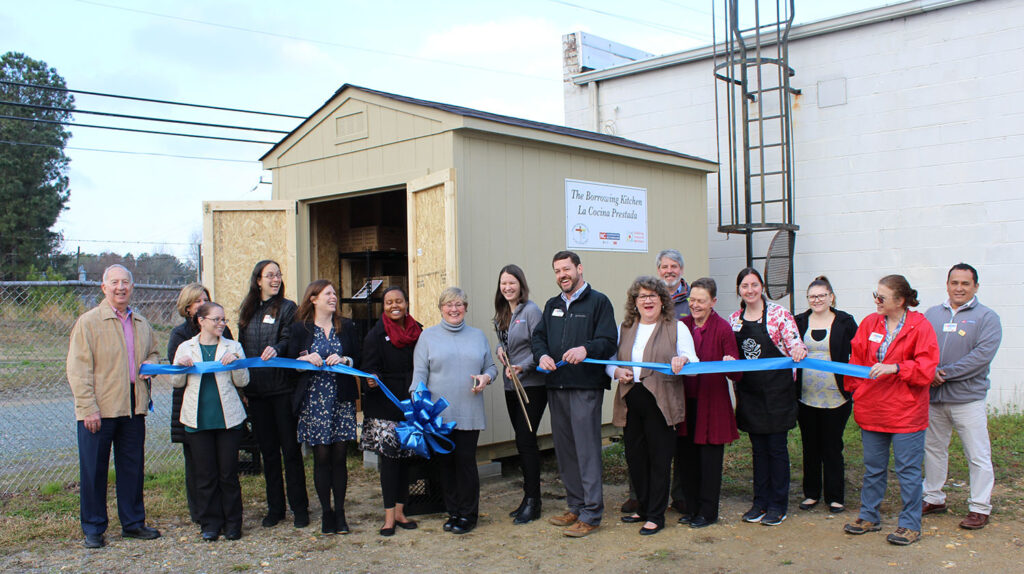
{"x":706,"y":283}
{"x":566,"y":255}
{"x":395,"y":288}
{"x":963,"y":267}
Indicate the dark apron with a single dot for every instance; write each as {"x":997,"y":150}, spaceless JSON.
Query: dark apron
{"x":766,"y":401}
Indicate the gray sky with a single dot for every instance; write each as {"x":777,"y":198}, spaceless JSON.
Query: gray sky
{"x":502,"y":57}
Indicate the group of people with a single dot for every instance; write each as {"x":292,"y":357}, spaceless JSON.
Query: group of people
{"x":928,"y":375}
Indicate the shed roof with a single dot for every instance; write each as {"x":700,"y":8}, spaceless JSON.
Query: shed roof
{"x":500,"y":119}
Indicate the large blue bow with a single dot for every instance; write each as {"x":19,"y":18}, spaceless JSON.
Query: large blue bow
{"x":423,"y":431}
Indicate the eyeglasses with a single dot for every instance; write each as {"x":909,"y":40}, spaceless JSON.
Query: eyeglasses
{"x":453,"y":305}
{"x":272,"y":276}
{"x":878,"y":298}
{"x":218,"y":320}
{"x":650,"y":297}
{"x":817,"y":297}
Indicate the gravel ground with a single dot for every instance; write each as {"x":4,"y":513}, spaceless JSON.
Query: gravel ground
{"x":806,"y":542}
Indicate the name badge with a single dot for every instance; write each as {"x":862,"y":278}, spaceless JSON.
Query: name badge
{"x":876,"y":337}
{"x":268,"y":319}
{"x":386,"y":338}
{"x":558,"y":313}
{"x":949,"y":327}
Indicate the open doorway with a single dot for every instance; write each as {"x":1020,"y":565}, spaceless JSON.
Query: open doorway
{"x":361,"y":239}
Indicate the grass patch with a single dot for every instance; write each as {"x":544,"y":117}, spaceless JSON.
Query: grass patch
{"x":661,"y":555}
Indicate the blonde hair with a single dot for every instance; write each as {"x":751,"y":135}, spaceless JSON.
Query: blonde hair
{"x":451,"y":294}
{"x":190,"y":294}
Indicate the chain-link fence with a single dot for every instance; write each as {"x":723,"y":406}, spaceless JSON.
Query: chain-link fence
{"x":38,"y":441}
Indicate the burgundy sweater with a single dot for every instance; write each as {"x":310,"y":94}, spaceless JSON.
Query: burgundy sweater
{"x":716,"y":420}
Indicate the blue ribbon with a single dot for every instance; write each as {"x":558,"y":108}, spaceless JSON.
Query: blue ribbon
{"x":741,"y":365}
{"x":423,"y":431}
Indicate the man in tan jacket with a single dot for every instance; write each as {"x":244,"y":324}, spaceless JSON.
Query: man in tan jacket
{"x":108,"y":344}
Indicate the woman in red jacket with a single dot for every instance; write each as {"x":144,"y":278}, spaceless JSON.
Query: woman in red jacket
{"x":891,"y":406}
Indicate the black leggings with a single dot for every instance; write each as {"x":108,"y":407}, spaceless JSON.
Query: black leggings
{"x":526,"y":440}
{"x":394,"y":480}
{"x":330,"y":473}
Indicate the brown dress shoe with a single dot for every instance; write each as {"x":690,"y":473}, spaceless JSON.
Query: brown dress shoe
{"x":929,"y":508}
{"x":974,"y":521}
{"x":567,"y":519}
{"x":580,"y":529}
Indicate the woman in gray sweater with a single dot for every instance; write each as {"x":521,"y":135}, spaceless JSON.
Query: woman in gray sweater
{"x":515,"y":318}
{"x":453,"y":360}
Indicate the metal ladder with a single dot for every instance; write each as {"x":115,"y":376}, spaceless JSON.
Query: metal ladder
{"x":755,"y":194}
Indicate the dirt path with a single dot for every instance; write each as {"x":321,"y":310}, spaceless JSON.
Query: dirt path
{"x":807,"y":542}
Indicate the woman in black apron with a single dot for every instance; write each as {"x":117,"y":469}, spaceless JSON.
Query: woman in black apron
{"x":766,"y":401}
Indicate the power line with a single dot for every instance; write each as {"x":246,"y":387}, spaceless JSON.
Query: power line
{"x":125,"y":152}
{"x":126,"y":242}
{"x":133,"y":130}
{"x":151,"y":100}
{"x":145,"y":118}
{"x":642,"y":22}
{"x":321,"y":42}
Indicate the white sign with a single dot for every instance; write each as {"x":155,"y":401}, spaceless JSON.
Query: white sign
{"x":605,"y":217}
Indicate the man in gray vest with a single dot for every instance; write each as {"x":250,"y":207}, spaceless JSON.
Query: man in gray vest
{"x":969,"y":334}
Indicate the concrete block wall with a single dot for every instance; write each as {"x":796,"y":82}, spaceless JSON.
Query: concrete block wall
{"x":920,"y":168}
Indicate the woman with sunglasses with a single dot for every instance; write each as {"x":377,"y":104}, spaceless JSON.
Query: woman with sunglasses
{"x":824,"y":403}
{"x":212,"y":413}
{"x":891,"y":406}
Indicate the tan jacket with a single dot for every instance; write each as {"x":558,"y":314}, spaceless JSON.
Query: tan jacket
{"x":230,"y":403}
{"x":668,"y":390}
{"x":97,"y":363}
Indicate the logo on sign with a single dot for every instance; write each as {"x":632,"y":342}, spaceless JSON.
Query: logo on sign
{"x":579,"y":233}
{"x":609,"y":236}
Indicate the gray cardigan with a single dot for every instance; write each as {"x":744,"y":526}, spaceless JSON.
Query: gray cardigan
{"x":444,"y":359}
{"x":520,"y":334}
{"x":965,"y":353}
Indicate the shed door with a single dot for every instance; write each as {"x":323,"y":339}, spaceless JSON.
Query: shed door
{"x":238,"y":234}
{"x":433,"y":259}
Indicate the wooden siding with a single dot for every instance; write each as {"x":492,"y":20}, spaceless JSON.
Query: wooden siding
{"x":512,"y":210}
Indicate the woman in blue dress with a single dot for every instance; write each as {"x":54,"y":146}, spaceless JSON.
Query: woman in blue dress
{"x":325,"y":401}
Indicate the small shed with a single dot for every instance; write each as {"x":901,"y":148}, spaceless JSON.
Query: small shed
{"x":381,"y":186}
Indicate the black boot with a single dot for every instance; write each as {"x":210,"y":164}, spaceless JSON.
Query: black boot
{"x":530,"y":512}
{"x":516,"y":512}
{"x":328,"y":522}
{"x":340,"y":524}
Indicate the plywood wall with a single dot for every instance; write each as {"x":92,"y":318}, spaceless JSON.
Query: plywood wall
{"x":236,"y":235}
{"x":433,"y":263}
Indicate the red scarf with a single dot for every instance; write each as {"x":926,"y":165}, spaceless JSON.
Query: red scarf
{"x":402,"y":336}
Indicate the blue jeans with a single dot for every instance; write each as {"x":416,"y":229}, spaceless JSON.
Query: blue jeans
{"x":770,"y":458}
{"x":908,"y":454}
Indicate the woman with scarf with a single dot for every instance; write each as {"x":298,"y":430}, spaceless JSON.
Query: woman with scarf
{"x":387,"y":353}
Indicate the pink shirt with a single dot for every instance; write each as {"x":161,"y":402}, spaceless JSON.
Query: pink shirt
{"x":129,"y":340}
